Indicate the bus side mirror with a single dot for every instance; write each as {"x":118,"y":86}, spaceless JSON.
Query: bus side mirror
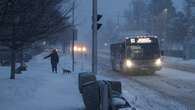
{"x":162,"y":53}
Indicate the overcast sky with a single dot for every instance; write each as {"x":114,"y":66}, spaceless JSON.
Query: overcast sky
{"x":109,"y":8}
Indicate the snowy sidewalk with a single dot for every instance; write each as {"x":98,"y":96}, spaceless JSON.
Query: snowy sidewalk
{"x":180,"y":64}
{"x":39,"y":89}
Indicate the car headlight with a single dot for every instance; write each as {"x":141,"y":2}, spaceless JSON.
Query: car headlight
{"x":158,"y":62}
{"x":129,"y":63}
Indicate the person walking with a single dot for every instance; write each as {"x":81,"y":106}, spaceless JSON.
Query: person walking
{"x":54,"y":60}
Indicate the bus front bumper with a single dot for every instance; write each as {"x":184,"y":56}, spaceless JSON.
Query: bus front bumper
{"x":144,"y":68}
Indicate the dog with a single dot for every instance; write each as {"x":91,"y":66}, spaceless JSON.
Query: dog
{"x":66,"y":71}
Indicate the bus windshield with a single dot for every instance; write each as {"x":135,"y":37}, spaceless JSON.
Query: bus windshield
{"x":143,"y":51}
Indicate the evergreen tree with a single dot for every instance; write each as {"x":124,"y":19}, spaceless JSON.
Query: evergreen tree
{"x":136,"y":15}
{"x":156,"y":7}
{"x":178,"y":28}
{"x":160,"y":12}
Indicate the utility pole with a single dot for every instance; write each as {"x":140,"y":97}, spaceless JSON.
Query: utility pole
{"x":94,"y":37}
{"x":73,"y":35}
{"x":13,"y":41}
{"x":13,"y":52}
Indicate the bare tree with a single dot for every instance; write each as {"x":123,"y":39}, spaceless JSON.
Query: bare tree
{"x":24,"y":22}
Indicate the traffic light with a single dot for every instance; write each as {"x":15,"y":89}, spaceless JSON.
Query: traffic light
{"x":99,"y":25}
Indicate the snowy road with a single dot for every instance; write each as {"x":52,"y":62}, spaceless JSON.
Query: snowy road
{"x":39,"y":89}
{"x":168,"y":89}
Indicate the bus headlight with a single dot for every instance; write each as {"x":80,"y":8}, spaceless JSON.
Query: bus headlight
{"x":158,"y":62}
{"x":129,"y":63}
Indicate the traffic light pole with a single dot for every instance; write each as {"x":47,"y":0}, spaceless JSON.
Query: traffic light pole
{"x":73,"y":37}
{"x":94,"y":38}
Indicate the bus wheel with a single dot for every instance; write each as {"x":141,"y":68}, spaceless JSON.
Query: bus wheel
{"x":123,"y":68}
{"x":150,"y":72}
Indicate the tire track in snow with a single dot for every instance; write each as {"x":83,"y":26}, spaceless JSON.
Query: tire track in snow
{"x":186,"y":101}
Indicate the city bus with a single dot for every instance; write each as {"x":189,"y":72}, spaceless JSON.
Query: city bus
{"x":140,"y":54}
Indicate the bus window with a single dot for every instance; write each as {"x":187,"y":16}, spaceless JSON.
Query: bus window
{"x":143,"y":51}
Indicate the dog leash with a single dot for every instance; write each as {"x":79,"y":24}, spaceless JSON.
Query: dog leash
{"x":60,"y":66}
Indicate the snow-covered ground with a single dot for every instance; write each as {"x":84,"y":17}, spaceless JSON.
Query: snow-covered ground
{"x":39,"y":88}
{"x":171,"y":60}
{"x":180,"y":64}
{"x":168,"y":89}
{"x":155,"y":92}
{"x":179,"y":61}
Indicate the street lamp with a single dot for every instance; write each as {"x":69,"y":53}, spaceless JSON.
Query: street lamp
{"x":164,"y":33}
{"x":165,"y":10}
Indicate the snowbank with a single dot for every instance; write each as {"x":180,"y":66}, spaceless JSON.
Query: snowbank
{"x":179,"y":61}
{"x":39,"y":89}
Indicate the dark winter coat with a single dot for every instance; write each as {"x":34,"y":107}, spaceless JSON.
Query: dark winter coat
{"x":54,"y":58}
